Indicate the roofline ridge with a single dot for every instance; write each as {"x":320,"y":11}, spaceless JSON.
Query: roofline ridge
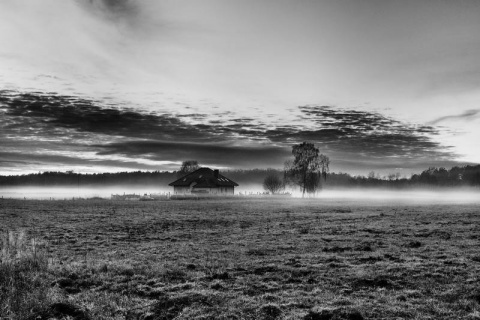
{"x":181,"y":178}
{"x":210,"y":170}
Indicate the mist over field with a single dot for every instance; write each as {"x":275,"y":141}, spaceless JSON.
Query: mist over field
{"x":416,"y":196}
{"x":350,"y":195}
{"x":60,"y":193}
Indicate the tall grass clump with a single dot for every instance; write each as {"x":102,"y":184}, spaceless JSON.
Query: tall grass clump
{"x":23,"y":270}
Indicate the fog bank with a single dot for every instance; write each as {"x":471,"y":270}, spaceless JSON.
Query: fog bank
{"x":377,"y":196}
{"x":416,"y":196}
{"x":68,"y":193}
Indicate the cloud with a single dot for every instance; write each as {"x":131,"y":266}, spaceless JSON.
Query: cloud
{"x":467,"y":115}
{"x":86,"y":115}
{"x":134,"y":17}
{"x":114,"y":7}
{"x":94,"y":47}
{"x":95,"y":131}
{"x":338,"y":130}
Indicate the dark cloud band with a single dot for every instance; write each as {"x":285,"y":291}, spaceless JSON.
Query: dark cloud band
{"x":112,"y":8}
{"x":83,"y":125}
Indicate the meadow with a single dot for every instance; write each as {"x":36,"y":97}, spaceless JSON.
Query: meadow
{"x":239,"y":259}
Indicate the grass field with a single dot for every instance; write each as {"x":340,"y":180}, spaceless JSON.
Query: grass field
{"x":238,"y":259}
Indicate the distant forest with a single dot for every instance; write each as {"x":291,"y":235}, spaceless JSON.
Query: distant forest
{"x":467,"y":176}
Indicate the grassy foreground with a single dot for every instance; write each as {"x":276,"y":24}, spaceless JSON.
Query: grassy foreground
{"x":238,"y":259}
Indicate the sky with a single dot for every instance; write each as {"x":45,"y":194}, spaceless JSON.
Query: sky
{"x":125,"y":85}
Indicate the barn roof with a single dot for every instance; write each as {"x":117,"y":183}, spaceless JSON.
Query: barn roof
{"x":204,"y":178}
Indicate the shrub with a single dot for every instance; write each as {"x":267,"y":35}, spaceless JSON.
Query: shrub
{"x":23,"y":285}
{"x":273,"y":183}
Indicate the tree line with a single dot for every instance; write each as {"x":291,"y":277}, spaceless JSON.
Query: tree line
{"x":432,"y":177}
{"x":308,"y":170}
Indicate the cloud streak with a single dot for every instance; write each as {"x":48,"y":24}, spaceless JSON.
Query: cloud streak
{"x":465,"y":116}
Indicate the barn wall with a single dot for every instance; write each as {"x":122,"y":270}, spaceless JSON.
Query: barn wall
{"x":204,"y":190}
{"x":220,"y":190}
{"x":181,"y":190}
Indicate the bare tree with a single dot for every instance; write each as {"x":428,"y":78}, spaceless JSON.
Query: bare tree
{"x":273,"y":183}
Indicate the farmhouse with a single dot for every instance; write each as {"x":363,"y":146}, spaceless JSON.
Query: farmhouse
{"x":204,"y":181}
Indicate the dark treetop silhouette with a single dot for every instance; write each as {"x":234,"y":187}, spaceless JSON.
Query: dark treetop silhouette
{"x":307,"y":167}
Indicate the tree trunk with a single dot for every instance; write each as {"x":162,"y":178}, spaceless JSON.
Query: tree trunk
{"x":304,"y":183}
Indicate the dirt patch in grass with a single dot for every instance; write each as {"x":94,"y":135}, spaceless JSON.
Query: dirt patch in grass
{"x":60,"y":310}
{"x":336,"y":249}
{"x":168,"y":308}
{"x":265,"y":269}
{"x":334,"y":314}
{"x":377,"y":282}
